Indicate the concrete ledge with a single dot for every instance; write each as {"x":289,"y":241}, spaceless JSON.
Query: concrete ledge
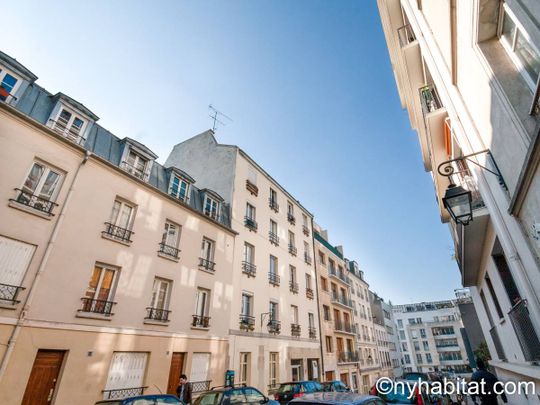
{"x":90,"y":315}
{"x":29,"y":210}
{"x":518,"y":368}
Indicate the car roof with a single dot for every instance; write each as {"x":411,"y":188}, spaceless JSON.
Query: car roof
{"x":153,"y":396}
{"x":298,"y":382}
{"x":335,"y":398}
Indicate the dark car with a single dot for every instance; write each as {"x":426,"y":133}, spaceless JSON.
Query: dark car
{"x":337,"y":398}
{"x":233,"y":395}
{"x":143,"y":400}
{"x":290,"y":390}
{"x":415,"y":376}
{"x":335,"y":386}
{"x":401,"y":392}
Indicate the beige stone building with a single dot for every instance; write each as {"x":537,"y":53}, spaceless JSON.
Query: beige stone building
{"x":338,"y":330}
{"x":115,"y":271}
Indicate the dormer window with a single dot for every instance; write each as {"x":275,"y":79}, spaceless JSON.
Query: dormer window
{"x":7,"y":85}
{"x":69,"y":125}
{"x":211,"y":207}
{"x":179,"y":188}
{"x":137,"y":159}
{"x":135,"y":164}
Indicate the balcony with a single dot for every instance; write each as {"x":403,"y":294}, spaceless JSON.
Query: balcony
{"x":309,"y":293}
{"x":274,"y":326}
{"x":9,"y":293}
{"x":137,"y":172}
{"x":340,"y":300}
{"x":273,"y":238}
{"x":291,"y":218}
{"x":295,"y":330}
{"x":72,"y":133}
{"x":169,"y":251}
{"x":406,"y":35}
{"x":40,"y":204}
{"x":347,"y":357}
{"x":157,"y":314}
{"x":307,"y":259}
{"x":274,"y":206}
{"x":344,"y":327}
{"x":293,"y":250}
{"x":525,"y":332}
{"x":250,"y":224}
{"x":340,"y":275}
{"x":101,"y":307}
{"x":249,"y":268}
{"x":252,"y":188}
{"x":122,"y":393}
{"x":312,"y":332}
{"x":273,"y":278}
{"x":115,"y":232}
{"x":207,"y":265}
{"x":247,"y":323}
{"x":305,"y":229}
{"x":293,"y":287}
{"x":200,"y":321}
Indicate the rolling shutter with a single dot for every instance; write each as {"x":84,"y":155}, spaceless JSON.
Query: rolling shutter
{"x":15,"y":257}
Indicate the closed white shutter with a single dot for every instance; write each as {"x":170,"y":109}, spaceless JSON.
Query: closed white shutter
{"x":200,"y":362}
{"x":126,"y":371}
{"x":15,"y":257}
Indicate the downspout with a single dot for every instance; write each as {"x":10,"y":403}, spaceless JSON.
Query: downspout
{"x":42,"y":265}
{"x":318,"y":303}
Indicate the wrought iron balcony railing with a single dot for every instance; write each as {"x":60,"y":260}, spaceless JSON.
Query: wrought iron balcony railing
{"x":336,"y":298}
{"x":406,"y":35}
{"x":339,"y":275}
{"x":97,"y":306}
{"x":170,"y":251}
{"x":33,"y":201}
{"x":139,"y":173}
{"x":157,"y":314}
{"x":273,"y":278}
{"x":429,"y":99}
{"x":200,"y":321}
{"x":272,"y":203}
{"x":247,"y":322}
{"x":9,"y":293}
{"x":273,"y":238}
{"x":249,"y":268}
{"x":121,"y":393}
{"x":312,"y":332}
{"x":250,"y":223}
{"x":293,"y":250}
{"x":293,"y":287}
{"x":200,"y":386}
{"x":295,"y":330}
{"x":348,"y":357}
{"x":525,"y":332}
{"x":118,"y":233}
{"x":309,"y":293}
{"x":72,"y":133}
{"x":291,"y":218}
{"x":274,"y":326}
{"x":207,"y":264}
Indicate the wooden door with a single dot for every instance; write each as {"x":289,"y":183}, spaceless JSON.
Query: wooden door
{"x":43,"y":379}
{"x":177,"y":366}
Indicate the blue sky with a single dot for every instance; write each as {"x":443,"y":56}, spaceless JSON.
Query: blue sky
{"x":310,"y":90}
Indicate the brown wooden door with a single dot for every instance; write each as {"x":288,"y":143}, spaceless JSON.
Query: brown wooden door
{"x":43,"y":378}
{"x":177,"y":366}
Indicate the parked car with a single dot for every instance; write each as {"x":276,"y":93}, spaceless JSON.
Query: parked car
{"x":143,"y":400}
{"x":337,"y":398}
{"x":401,"y":392}
{"x":228,"y":395}
{"x":290,"y":390}
{"x":335,"y":386}
{"x":415,"y":376}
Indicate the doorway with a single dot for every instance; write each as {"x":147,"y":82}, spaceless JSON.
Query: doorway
{"x":177,"y":366}
{"x":297,"y":373}
{"x":43,"y":380}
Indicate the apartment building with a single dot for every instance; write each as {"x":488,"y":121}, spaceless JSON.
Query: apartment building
{"x":274,"y":321}
{"x":338,"y":330}
{"x":431,"y":337}
{"x":115,"y":271}
{"x":385,"y":334}
{"x":467,"y":72}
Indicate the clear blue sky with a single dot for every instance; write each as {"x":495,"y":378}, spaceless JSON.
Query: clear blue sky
{"x":310,"y":89}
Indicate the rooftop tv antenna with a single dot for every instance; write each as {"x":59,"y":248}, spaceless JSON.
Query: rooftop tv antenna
{"x":214,"y":114}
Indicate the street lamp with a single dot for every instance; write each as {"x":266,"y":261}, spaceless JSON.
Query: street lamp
{"x":458,"y":202}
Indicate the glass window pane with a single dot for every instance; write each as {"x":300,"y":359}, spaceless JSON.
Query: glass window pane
{"x":33,"y":178}
{"x":49,"y":185}
{"x":9,"y":82}
{"x":528,"y":56}
{"x":508,"y":30}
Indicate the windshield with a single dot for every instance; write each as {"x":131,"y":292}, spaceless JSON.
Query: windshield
{"x":211,"y":398}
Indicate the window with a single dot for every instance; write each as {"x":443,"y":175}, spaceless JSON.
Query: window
{"x":200,"y":365}
{"x":247,"y":304}
{"x":40,"y":187}
{"x":308,"y":281}
{"x":520,"y":48}
{"x":170,"y":239}
{"x":274,"y":311}
{"x":494,"y":297}
{"x":273,"y":233}
{"x":273,"y":265}
{"x":426,"y":345}
{"x":294,"y":314}
{"x":136,"y":165}
{"x":407,"y":359}
{"x":400,"y":323}
{"x":505,"y":274}
{"x":322,"y":258}
{"x":7,"y":82}
{"x":423,"y":333}
{"x":273,"y":200}
{"x":121,"y":221}
{"x":160,"y":293}
{"x":329,"y":348}
{"x":274,"y":369}
{"x":428,"y":358}
{"x":292,"y":243}
{"x":244,"y":368}
{"x":293,"y":284}
{"x":326,"y":312}
{"x":179,"y":188}
{"x":404,"y":347}
{"x":324,"y":284}
{"x":250,"y":212}
{"x":100,"y":292}
{"x":15,"y":257}
{"x":207,"y":254}
{"x":202,"y":308}
{"x":126,"y":372}
{"x":419,"y":358}
{"x":211,"y":207}
{"x":402,"y":335}
{"x":249,"y":253}
{"x":69,"y":125}
{"x":290,"y":213}
{"x":416,"y":346}
{"x":418,"y":320}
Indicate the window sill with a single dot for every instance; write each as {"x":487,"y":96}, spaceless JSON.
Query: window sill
{"x":29,"y":210}
{"x":112,"y":238}
{"x":152,"y":322}
{"x":168,"y":257}
{"x":90,"y":315}
{"x":200,"y":328}
{"x":10,"y":307}
{"x":207,"y":271}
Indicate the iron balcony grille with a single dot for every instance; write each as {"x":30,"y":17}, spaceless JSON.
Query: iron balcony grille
{"x":123,"y":393}
{"x":307,"y":258}
{"x":250,"y":223}
{"x":340,"y":275}
{"x":341,"y":300}
{"x":273,"y":278}
{"x":33,"y":201}
{"x":200,"y":386}
{"x":134,"y":171}
{"x":312,"y":332}
{"x":293,"y":287}
{"x":525,"y":332}
{"x":406,"y":35}
{"x":70,"y":133}
{"x":249,"y":268}
{"x":348,"y":357}
{"x":291,"y":218}
{"x":157,"y":314}
{"x":200,"y":321}
{"x":118,"y":233}
{"x":206,"y":264}
{"x":97,"y":306}
{"x":274,"y":326}
{"x":429,"y":99}
{"x":295,"y":330}
{"x":293,"y":250}
{"x":305,"y":229}
{"x":247,"y":322}
{"x":169,"y":250}
{"x":9,"y":293}
{"x":273,"y":205}
{"x":309,"y":293}
{"x":273,"y":238}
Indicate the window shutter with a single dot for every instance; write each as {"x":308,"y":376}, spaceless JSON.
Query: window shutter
{"x":127,"y":370}
{"x":200,"y":363}
{"x":15,"y":257}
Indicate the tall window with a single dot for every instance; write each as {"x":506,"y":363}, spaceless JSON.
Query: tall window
{"x":179,"y":188}
{"x":250,"y":212}
{"x":426,"y":345}
{"x":136,"y":164}
{"x":328,"y":340}
{"x":273,"y":227}
{"x":290,"y":208}
{"x":322,"y":258}
{"x":202,"y":305}
{"x":43,"y":182}
{"x":308,"y":281}
{"x":122,"y":214}
{"x":505,"y":274}
{"x":207,"y":253}
{"x":294,"y":314}
{"x":211,"y":207}
{"x":311,"y":320}
{"x":245,"y":359}
{"x":100,"y":292}
{"x":273,"y":265}
{"x":274,"y":311}
{"x":127,"y":371}
{"x":16,"y":257}
{"x":273,"y":197}
{"x":249,"y":253}
{"x":292,"y":242}
{"x":494,"y":297}
{"x":326,"y":312}
{"x":274,"y":368}
{"x":170,"y":239}
{"x":247,"y":300}
{"x":160,"y":293}
{"x":292,"y":272}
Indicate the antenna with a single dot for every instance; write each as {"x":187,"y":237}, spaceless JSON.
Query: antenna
{"x":214,"y":114}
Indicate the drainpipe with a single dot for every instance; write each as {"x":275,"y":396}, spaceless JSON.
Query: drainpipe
{"x":318,"y":303}
{"x":42,"y":265}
